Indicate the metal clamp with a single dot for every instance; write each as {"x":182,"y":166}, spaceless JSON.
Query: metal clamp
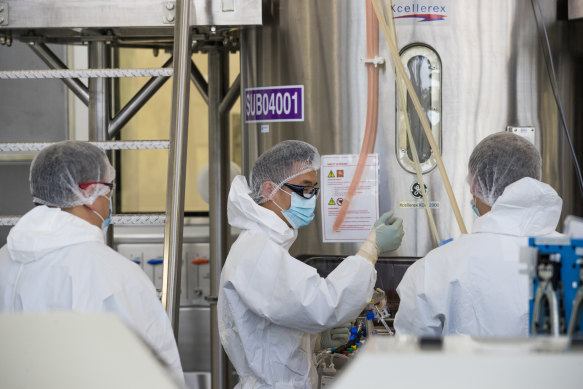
{"x":3,"y":14}
{"x":574,"y":324}
{"x":169,"y":9}
{"x":376,"y":61}
{"x":545,"y":292}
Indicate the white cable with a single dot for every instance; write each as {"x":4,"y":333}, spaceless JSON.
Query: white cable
{"x":84,"y":73}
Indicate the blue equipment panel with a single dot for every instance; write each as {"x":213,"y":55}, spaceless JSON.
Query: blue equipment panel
{"x":561,"y":258}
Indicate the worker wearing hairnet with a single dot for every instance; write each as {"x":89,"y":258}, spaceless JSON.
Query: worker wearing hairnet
{"x":270,"y":304}
{"x":476,"y":285}
{"x":56,"y":259}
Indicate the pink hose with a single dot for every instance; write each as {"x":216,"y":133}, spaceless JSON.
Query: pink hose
{"x":372,"y":111}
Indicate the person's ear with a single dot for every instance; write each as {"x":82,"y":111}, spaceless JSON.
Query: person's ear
{"x":266,"y":188}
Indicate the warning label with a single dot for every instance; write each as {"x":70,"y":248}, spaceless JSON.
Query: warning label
{"x":337,"y":172}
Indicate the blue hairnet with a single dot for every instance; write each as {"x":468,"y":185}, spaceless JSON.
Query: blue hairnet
{"x":281,"y":163}
{"x":57,"y":171}
{"x":499,"y":160}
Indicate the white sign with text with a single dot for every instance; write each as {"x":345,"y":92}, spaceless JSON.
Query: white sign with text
{"x":336,"y":174}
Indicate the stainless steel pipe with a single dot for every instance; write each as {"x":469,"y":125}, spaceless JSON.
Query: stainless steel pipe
{"x":219,"y":173}
{"x":54,"y":62}
{"x":231,"y":96}
{"x":199,"y":82}
{"x":99,"y":92}
{"x":177,"y":164}
{"x":137,"y":102}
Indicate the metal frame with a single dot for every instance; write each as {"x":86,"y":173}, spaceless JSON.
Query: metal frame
{"x":137,"y":102}
{"x":24,"y":14}
{"x":146,"y":23}
{"x":54,"y":62}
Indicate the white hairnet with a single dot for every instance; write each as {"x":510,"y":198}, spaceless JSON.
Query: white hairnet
{"x":499,"y":160}
{"x":57,"y":171}
{"x":281,"y":163}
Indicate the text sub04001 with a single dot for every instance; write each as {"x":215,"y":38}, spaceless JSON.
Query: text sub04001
{"x":274,"y":104}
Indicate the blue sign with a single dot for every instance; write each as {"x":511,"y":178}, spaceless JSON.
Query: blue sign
{"x":274,"y":104}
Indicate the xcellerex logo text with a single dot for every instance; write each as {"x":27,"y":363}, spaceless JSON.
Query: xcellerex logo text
{"x":421,"y":12}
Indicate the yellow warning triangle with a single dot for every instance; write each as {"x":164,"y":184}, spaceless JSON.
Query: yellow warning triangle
{"x":330,"y":175}
{"x":331,"y":202}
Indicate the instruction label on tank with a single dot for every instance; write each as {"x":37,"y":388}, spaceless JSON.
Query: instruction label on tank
{"x":274,"y":104}
{"x":336,"y":174}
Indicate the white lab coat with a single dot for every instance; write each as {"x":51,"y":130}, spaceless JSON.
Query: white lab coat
{"x":270,"y":303}
{"x":476,"y":285}
{"x":55,"y":261}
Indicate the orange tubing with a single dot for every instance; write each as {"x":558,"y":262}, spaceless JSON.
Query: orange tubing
{"x":372,"y":111}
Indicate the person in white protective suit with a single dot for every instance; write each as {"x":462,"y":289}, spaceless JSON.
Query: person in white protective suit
{"x":477,"y":285}
{"x":271,"y":305}
{"x":56,"y":258}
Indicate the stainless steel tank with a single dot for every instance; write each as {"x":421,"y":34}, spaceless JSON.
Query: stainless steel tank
{"x":486,"y":72}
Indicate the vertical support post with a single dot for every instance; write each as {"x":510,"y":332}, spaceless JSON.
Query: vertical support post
{"x":219,"y":173}
{"x":99,"y":92}
{"x":177,"y":164}
{"x":99,"y":57}
{"x":246,"y":143}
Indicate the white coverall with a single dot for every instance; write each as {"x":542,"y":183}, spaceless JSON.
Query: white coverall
{"x":55,"y":261}
{"x":476,"y":285}
{"x":270,"y":303}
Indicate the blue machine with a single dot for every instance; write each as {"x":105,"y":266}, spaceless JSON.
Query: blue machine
{"x":556,"y":304}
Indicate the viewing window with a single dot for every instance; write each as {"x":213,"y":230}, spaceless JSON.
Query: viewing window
{"x":424,"y":68}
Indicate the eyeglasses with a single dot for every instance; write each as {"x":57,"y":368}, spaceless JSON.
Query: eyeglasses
{"x":85,"y":185}
{"x":306,"y":192}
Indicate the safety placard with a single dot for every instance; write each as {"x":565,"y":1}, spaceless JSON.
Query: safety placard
{"x":274,"y":104}
{"x":336,"y":174}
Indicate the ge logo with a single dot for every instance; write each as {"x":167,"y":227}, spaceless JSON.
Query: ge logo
{"x":416,"y":190}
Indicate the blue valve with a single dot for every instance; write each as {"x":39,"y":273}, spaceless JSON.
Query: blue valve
{"x":353,"y":333}
{"x":444,"y":242}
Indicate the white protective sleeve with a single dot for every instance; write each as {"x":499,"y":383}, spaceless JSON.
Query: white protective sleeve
{"x":286,"y":291}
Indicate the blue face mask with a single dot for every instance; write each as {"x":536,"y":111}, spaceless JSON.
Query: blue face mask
{"x":476,"y":211}
{"x":105,"y":222}
{"x":301,"y":212}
